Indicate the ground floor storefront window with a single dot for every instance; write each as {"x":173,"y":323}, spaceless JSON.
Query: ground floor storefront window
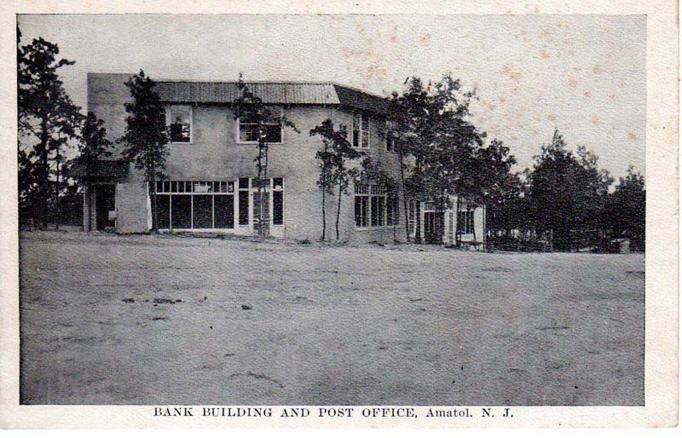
{"x":216,"y":205}
{"x":374,"y":207}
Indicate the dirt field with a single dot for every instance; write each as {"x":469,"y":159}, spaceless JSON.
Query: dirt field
{"x":169,"y":320}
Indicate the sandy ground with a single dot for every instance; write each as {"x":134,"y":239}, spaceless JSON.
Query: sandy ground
{"x":364,"y":325}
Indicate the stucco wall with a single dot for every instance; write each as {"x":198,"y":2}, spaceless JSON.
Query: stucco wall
{"x":133,"y":211}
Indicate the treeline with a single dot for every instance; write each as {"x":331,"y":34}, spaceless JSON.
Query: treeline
{"x":54,"y":140}
{"x":566,"y":201}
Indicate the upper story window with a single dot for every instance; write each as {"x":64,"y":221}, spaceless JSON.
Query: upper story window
{"x":248,"y":131}
{"x":361,"y":130}
{"x":391,"y":137}
{"x":179,"y":120}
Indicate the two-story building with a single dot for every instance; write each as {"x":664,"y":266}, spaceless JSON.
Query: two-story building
{"x":210,"y":166}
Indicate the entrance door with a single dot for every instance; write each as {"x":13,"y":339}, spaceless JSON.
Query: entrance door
{"x":434,"y":225}
{"x":104,"y":202}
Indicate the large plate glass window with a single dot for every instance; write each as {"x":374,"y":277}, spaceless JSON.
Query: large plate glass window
{"x":200,"y":205}
{"x":373,"y":208}
{"x":216,"y":205}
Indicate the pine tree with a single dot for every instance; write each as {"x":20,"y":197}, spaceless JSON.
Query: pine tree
{"x":567,"y":193}
{"x":146,"y":135}
{"x":626,"y":209}
{"x":47,"y":116}
{"x":492,"y":180}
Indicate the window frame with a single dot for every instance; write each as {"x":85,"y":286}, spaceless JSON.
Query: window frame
{"x":240,"y":191}
{"x":362,"y":115}
{"x":276,"y":189}
{"x":372,"y":192}
{"x":191,"y":123}
{"x":468,"y":222}
{"x":391,"y":142}
{"x":391,"y":137}
{"x":392,"y":205}
{"x":230,"y":188}
{"x":238,"y":124}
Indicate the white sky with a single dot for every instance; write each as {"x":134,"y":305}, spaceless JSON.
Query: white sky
{"x":582,"y":74}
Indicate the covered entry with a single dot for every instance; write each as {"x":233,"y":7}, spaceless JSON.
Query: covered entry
{"x":99,"y":180}
{"x":429,"y":224}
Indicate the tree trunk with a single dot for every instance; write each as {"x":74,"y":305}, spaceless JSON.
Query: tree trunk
{"x":152,"y":194}
{"x":338,"y":212}
{"x":405,"y":206}
{"x":58,"y":212}
{"x":458,"y":225}
{"x":43,"y":175}
{"x":324,"y":215}
{"x":264,"y":227}
{"x":486,"y":233}
{"x":395,"y":228}
{"x":88,"y":200}
{"x":417,"y":221}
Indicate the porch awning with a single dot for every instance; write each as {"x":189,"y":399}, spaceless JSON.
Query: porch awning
{"x":101,"y":170}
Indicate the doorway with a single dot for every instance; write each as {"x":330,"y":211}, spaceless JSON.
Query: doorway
{"x":105,"y":196}
{"x":434,"y":226}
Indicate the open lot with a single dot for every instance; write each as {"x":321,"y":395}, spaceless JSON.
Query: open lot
{"x":170,"y":320}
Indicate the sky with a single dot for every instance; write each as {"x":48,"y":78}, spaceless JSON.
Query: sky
{"x":582,"y":74}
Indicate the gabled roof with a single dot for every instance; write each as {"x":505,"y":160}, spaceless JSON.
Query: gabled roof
{"x":292,"y":93}
{"x":354,"y":98}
